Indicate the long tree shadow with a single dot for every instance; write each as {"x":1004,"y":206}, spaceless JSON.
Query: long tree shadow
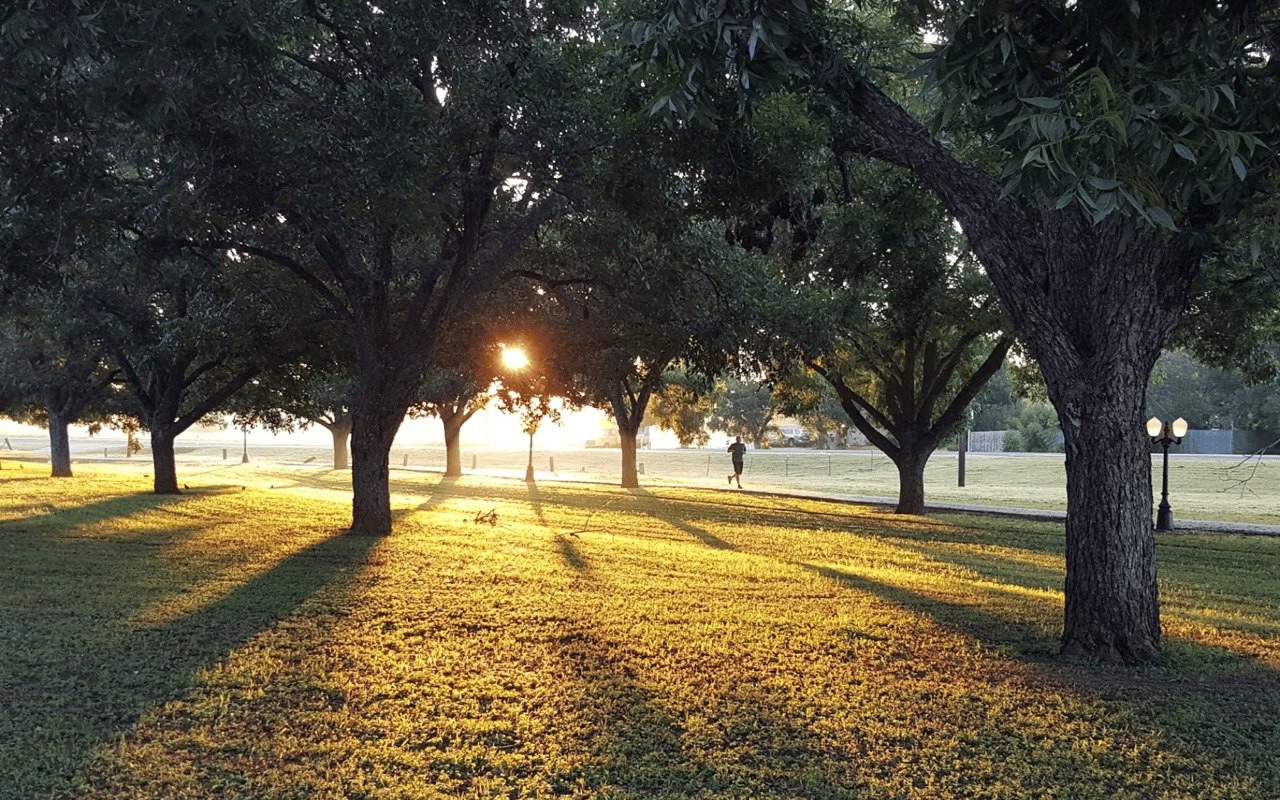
{"x":82,"y":515}
{"x":645,"y":743}
{"x":445,"y":488}
{"x":84,"y":687}
{"x":969,"y":620}
{"x":660,"y":510}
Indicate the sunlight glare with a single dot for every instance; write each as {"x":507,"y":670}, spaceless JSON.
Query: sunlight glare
{"x":514,"y":358}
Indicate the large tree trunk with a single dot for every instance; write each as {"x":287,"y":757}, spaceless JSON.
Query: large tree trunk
{"x":341,"y":433}
{"x":163,"y":462}
{"x":629,"y":406}
{"x":910,"y":463}
{"x":630,"y":476}
{"x":453,"y":422}
{"x":1112,"y":601}
{"x":371,"y":437}
{"x":59,"y":444}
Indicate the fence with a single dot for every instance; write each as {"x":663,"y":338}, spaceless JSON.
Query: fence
{"x":1198,"y":441}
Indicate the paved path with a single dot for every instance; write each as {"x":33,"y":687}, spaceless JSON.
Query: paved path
{"x":1037,"y":514}
{"x":86,"y":451}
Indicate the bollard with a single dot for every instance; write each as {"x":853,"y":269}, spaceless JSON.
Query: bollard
{"x":641,"y":467}
{"x":473,"y":461}
{"x":104,"y":452}
{"x":406,"y":459}
{"x":224,"y":454}
{"x":553,"y":463}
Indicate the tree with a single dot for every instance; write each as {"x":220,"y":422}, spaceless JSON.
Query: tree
{"x":809,"y":398}
{"x":1034,"y":429}
{"x":455,"y":394}
{"x":1131,"y":137}
{"x":186,"y":333}
{"x":633,"y":301}
{"x":314,"y":385}
{"x":50,"y":373}
{"x":391,"y":157}
{"x":885,"y":304}
{"x":683,"y":405}
{"x":745,"y":409}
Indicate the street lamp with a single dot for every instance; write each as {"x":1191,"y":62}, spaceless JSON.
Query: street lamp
{"x":528,"y":473}
{"x":1165,"y":434}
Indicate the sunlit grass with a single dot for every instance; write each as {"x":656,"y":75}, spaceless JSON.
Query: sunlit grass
{"x":597,"y":643}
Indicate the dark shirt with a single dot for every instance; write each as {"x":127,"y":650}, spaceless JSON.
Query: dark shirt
{"x":737,"y":451}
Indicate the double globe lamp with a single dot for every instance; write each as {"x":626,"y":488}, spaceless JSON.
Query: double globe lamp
{"x":1165,"y":434}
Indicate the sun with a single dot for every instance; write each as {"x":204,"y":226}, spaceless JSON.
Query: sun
{"x":514,"y":358}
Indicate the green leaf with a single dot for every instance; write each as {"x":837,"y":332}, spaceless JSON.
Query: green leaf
{"x":1041,"y":102}
{"x":1238,"y":165}
{"x":1184,"y":151}
{"x":1161,"y":217}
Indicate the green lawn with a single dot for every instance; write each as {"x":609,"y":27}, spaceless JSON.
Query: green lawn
{"x":1224,"y":488}
{"x":595,"y":642}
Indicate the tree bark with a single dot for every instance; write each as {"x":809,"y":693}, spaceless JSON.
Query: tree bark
{"x":911,"y":463}
{"x":630,"y":476}
{"x":163,"y":462}
{"x":341,"y":433}
{"x":59,"y":444}
{"x":371,"y":437}
{"x":629,"y":407}
{"x":453,"y":421}
{"x":1112,"y":601}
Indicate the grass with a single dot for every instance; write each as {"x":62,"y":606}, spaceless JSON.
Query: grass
{"x":1224,"y":489}
{"x":596,"y":643}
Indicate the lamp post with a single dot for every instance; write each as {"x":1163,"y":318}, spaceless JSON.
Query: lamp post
{"x":528,"y":473}
{"x":1165,"y":434}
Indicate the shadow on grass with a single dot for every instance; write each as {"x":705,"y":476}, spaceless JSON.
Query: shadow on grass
{"x":535,"y":501}
{"x":646,"y":745}
{"x":86,"y":677}
{"x":61,"y":520}
{"x":662,"y":511}
{"x":443,"y":489}
{"x":973,"y":621}
{"x":571,"y":554}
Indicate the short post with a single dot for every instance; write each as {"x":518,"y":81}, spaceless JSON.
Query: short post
{"x":552,"y":459}
{"x":406,"y":459}
{"x":224,"y":454}
{"x":641,"y":467}
{"x":473,"y":460}
{"x":962,"y":445}
{"x":104,"y":452}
